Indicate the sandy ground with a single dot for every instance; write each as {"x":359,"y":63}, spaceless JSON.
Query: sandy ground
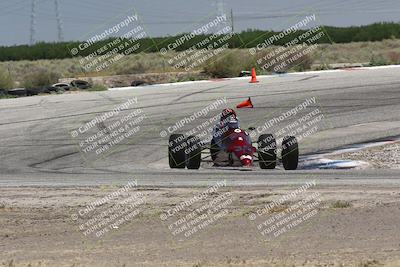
{"x":351,"y":226}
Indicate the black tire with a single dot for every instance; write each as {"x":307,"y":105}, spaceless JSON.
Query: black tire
{"x":81,"y":84}
{"x":139,"y":83}
{"x":37,"y":90}
{"x":290,"y":153}
{"x":61,"y":86}
{"x":17,"y":92}
{"x":193,"y":153}
{"x":214,"y":149}
{"x":33,"y":91}
{"x":51,"y":89}
{"x":176,"y":151}
{"x":267,"y":151}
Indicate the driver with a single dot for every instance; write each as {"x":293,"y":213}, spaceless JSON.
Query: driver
{"x":228,"y":121}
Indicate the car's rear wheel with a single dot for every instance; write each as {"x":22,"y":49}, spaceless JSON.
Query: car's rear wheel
{"x":176,"y":151}
{"x":290,"y":153}
{"x":193,"y":152}
{"x":267,"y":151}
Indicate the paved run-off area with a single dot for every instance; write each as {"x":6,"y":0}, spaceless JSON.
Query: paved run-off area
{"x":45,"y":178}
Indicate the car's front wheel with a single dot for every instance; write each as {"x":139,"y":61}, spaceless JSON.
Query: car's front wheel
{"x":267,"y":151}
{"x":290,"y":153}
{"x":193,"y":152}
{"x":176,"y":151}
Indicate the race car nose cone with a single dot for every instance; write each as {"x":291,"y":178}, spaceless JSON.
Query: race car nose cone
{"x":246,"y":160}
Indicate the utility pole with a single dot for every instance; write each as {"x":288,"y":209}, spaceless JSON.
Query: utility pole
{"x":232,"y":25}
{"x":33,"y":22}
{"x":221,"y":11}
{"x":59,"y":22}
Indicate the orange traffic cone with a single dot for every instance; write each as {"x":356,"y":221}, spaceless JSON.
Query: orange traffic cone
{"x":245,"y":104}
{"x":253,"y":76}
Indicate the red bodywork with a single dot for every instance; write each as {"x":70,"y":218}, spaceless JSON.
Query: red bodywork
{"x":238,"y":142}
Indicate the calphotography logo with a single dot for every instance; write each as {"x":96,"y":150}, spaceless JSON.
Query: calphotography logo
{"x":105,"y":48}
{"x":109,"y":32}
{"x":289,"y":211}
{"x":195,"y":118}
{"x":290,"y":48}
{"x":289,"y":127}
{"x":206,"y":43}
{"x":195,"y":215}
{"x":110,"y":212}
{"x":106,"y":132}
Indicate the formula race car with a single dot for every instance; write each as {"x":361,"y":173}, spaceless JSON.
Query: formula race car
{"x":235,"y":149}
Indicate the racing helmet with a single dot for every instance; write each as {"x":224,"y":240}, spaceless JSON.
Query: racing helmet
{"x":228,"y":113}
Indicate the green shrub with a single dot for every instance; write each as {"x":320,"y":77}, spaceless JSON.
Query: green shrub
{"x":341,"y":204}
{"x":245,"y":39}
{"x":98,"y":87}
{"x":322,"y":66}
{"x":6,"y":96}
{"x":6,"y":81}
{"x":184,"y":79}
{"x":378,"y":61}
{"x":41,"y":77}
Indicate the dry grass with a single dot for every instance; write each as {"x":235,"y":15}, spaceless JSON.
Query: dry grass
{"x":341,"y":204}
{"x":229,"y":64}
{"x":6,"y":81}
{"x":358,"y":52}
{"x":226,"y":64}
{"x":40,"y":77}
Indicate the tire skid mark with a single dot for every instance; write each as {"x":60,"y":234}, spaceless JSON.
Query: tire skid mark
{"x":308,"y":78}
{"x":35,"y":165}
{"x":195,"y":93}
{"x":198,"y":101}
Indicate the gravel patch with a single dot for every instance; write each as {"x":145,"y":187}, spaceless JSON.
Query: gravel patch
{"x":381,"y":157}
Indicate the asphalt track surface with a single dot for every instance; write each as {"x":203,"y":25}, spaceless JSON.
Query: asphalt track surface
{"x":37,"y":148}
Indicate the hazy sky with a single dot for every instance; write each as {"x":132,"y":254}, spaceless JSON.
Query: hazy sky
{"x":168,"y":17}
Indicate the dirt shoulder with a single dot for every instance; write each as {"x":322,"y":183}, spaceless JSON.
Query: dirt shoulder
{"x":342,"y":226}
